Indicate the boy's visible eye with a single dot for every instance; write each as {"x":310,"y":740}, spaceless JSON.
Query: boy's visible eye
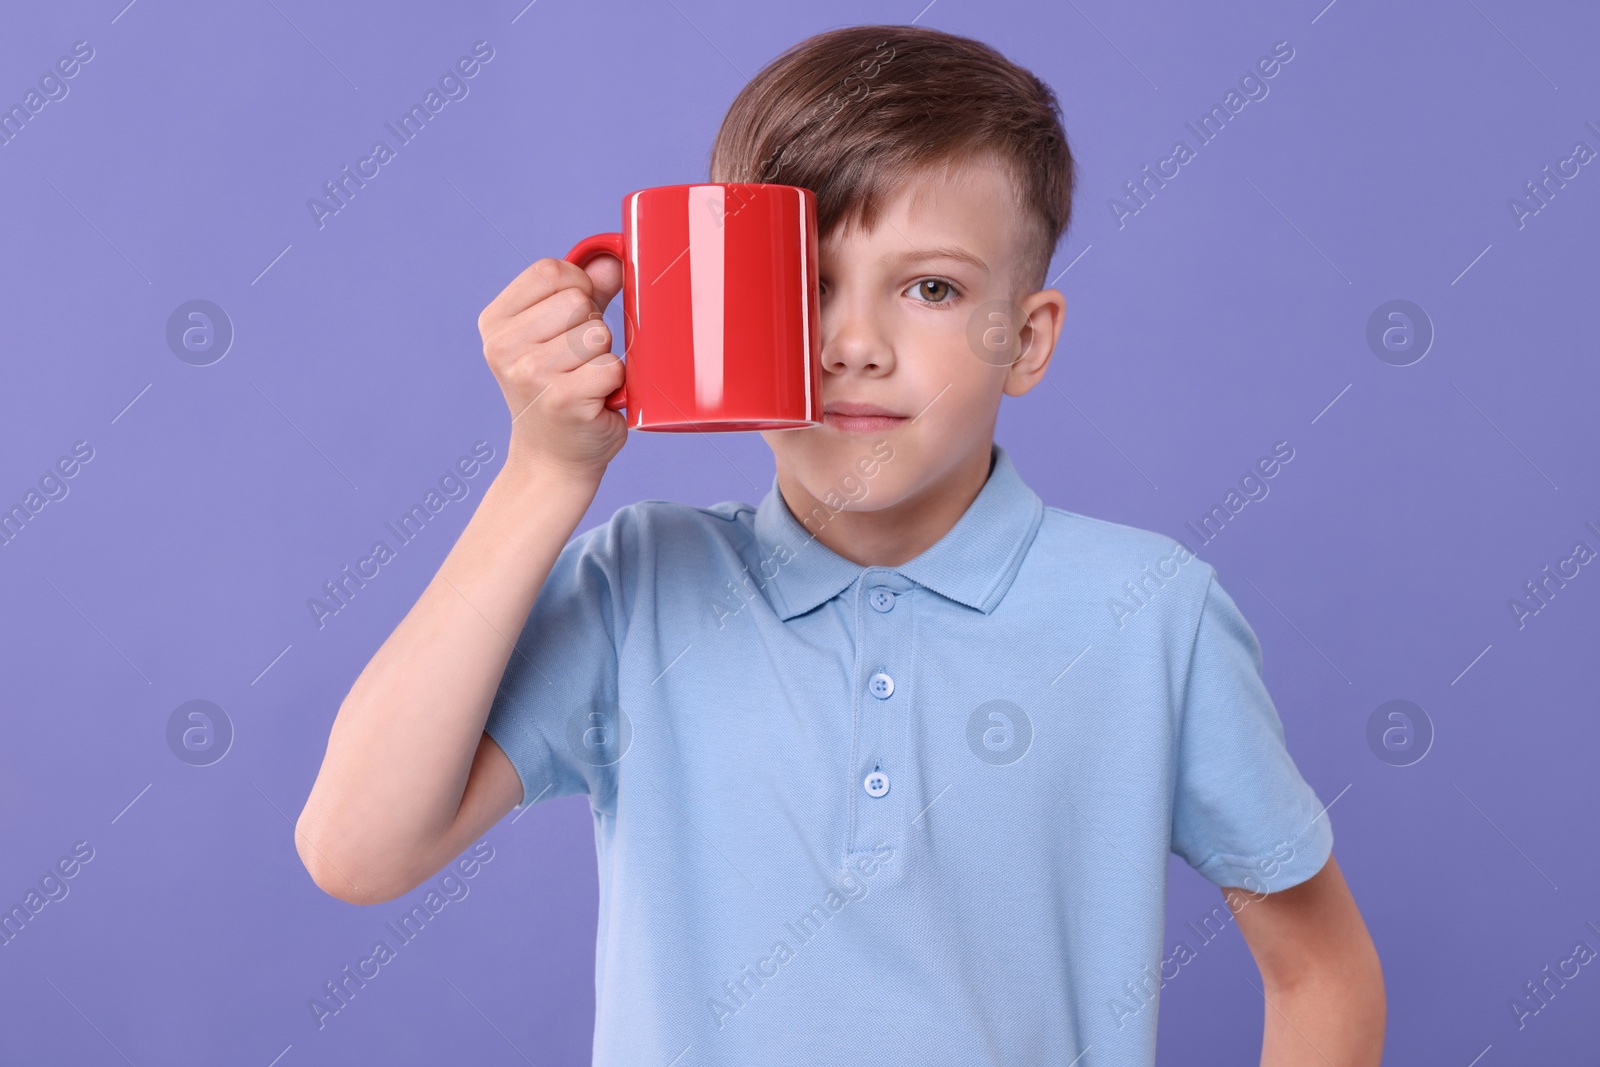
{"x":935,"y":291}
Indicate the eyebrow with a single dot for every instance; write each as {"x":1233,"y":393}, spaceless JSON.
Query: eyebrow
{"x":942,"y":252}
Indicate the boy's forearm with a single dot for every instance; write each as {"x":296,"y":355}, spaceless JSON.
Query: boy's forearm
{"x":402,"y":744}
{"x":1325,"y":1020}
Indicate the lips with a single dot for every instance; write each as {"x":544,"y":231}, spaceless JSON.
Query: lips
{"x":851,"y":408}
{"x":852,"y":417}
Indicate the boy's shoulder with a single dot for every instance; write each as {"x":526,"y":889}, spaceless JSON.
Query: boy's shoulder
{"x":1146,"y":582}
{"x":664,"y":515}
{"x":657,"y":528}
{"x":1104,"y":549}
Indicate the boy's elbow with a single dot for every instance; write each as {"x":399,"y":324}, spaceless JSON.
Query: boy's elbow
{"x":338,"y":877}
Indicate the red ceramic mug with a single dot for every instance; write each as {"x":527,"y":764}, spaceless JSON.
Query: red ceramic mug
{"x":720,"y":304}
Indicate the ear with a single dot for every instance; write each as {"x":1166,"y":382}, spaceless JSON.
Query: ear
{"x":1042,"y":315}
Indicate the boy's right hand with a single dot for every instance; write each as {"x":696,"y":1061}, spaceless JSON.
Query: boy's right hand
{"x":550,"y":350}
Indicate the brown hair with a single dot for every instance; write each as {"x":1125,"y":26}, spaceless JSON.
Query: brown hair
{"x":855,"y":114}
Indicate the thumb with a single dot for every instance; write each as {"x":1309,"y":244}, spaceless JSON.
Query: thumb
{"x":605,"y":271}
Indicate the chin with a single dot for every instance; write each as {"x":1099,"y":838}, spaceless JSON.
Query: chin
{"x":861,"y":475}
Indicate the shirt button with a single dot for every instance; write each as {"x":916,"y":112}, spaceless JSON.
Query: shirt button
{"x":880,"y":685}
{"x":876,"y":783}
{"x":881,"y":598}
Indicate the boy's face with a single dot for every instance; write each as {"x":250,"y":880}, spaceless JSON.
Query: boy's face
{"x":930,"y":338}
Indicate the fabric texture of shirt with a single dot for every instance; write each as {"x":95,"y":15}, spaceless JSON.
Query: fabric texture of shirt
{"x":897,"y":815}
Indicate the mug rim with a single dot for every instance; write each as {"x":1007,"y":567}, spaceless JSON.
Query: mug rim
{"x":723,"y":185}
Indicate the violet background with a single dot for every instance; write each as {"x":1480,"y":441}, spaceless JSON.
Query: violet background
{"x":1228,"y":314}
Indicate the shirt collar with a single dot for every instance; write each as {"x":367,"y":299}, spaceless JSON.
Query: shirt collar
{"x":974,"y":563}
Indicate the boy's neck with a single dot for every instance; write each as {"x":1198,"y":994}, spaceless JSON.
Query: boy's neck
{"x":891,"y":536}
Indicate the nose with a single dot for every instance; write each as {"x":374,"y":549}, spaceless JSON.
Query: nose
{"x":854,"y":340}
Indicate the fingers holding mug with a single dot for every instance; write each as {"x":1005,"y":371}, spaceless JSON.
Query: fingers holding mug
{"x":602,"y":257}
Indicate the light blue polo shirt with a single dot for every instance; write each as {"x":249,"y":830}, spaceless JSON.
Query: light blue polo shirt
{"x":897,"y":815}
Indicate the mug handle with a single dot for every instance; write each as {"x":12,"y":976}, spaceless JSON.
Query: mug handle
{"x":607,"y":244}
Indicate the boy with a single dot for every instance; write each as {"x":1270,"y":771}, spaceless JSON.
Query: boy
{"x":876,"y":775}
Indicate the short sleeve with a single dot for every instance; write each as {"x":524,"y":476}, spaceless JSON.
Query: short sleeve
{"x":555,"y":712}
{"x":1242,"y":814}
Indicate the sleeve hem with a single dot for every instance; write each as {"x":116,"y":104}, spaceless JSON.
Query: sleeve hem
{"x":528,"y":756}
{"x":1287,"y":865}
